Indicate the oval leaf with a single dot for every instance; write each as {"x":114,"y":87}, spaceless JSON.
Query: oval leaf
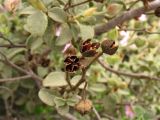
{"x":58,"y":15}
{"x":86,"y":31}
{"x":65,"y":35}
{"x":46,"y":96}
{"x":36,"y":23}
{"x":55,"y":79}
{"x":98,"y":87}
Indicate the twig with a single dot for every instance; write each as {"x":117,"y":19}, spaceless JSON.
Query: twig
{"x":26,"y":72}
{"x":96,"y":113}
{"x":67,"y":80}
{"x":93,"y":60}
{"x":80,"y":81}
{"x":134,"y":75}
{"x":15,"y":78}
{"x":68,"y":4}
{"x":6,"y":61}
{"x":7,"y":108}
{"x":132,"y":5}
{"x":138,"y":30}
{"x":77,"y":4}
{"x":84,"y":91}
{"x":84,"y":70}
{"x":12,"y":46}
{"x":125,"y":17}
{"x":2,"y":36}
{"x":68,"y":116}
{"x":109,"y":117}
{"x":37,"y":79}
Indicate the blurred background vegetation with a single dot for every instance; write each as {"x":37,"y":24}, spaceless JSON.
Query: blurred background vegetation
{"x":34,"y":35}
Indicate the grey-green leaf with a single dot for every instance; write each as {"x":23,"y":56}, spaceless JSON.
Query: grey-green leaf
{"x":36,"y":23}
{"x":46,"y":96}
{"x":86,"y":31}
{"x":98,"y":87}
{"x":58,"y":15}
{"x":55,"y":79}
{"x":65,"y":35}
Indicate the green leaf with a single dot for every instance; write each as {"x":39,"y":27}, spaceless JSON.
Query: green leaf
{"x":36,"y":23}
{"x":63,"y":110}
{"x":34,"y":42}
{"x":28,"y":84}
{"x":113,"y":34}
{"x":28,"y":11}
{"x":55,"y":79}
{"x":58,"y":15}
{"x":111,"y":60}
{"x":140,"y":42}
{"x":59,"y":101}
{"x":65,"y":36}
{"x":98,"y":87}
{"x":72,"y":100}
{"x":30,"y":105}
{"x":46,"y":96}
{"x":42,"y":71}
{"x":13,"y":52}
{"x":86,"y":31}
{"x":38,"y":4}
{"x":48,"y":35}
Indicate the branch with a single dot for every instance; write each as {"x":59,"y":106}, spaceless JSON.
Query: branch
{"x":134,"y":75}
{"x":12,"y":46}
{"x":15,"y":78}
{"x":6,"y":61}
{"x":77,"y":4}
{"x":84,"y":70}
{"x":69,"y":116}
{"x":68,"y":79}
{"x":125,"y":17}
{"x":138,"y":30}
{"x":80,"y":81}
{"x":96,"y":113}
{"x":26,"y":72}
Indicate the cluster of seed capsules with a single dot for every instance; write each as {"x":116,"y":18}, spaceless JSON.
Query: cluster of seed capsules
{"x":89,"y":49}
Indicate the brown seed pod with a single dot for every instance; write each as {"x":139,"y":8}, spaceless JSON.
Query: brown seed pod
{"x":88,"y":49}
{"x":72,"y":63}
{"x":157,"y":12}
{"x":109,"y":47}
{"x":45,"y":62}
{"x":84,"y":106}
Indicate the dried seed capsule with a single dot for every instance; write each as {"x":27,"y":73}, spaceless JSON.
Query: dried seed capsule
{"x":72,"y":63}
{"x":88,"y":49}
{"x":84,"y":106}
{"x":109,"y":47}
{"x":157,"y":12}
